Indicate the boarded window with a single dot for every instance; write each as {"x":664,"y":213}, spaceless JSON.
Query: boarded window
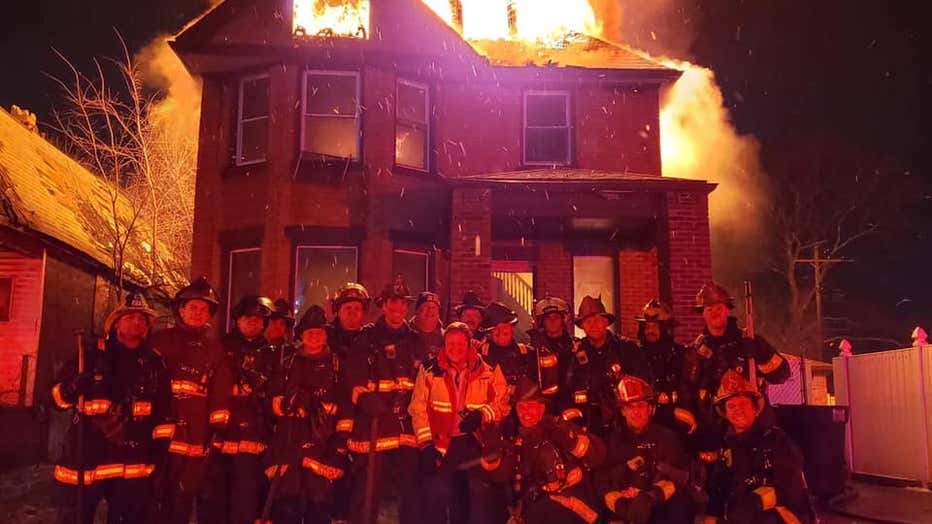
{"x":6,"y":298}
{"x":546,"y":128}
{"x":331,"y":114}
{"x":243,"y":271}
{"x":320,"y":272}
{"x":252,"y":130}
{"x":412,"y":126}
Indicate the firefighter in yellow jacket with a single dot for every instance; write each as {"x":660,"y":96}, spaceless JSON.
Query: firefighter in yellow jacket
{"x":455,"y":394}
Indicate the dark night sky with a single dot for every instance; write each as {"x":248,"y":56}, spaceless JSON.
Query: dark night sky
{"x":791,"y":71}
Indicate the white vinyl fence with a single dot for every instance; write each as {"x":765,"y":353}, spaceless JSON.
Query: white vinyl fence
{"x":888,"y":421}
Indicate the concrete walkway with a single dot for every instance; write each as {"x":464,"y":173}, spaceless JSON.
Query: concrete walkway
{"x":883,"y":503}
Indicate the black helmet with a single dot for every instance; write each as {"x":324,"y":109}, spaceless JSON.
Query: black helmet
{"x":198,"y":290}
{"x":712,"y":293}
{"x":253,"y":306}
{"x":284,"y":311}
{"x":497,"y":313}
{"x":657,"y":311}
{"x":313,"y":318}
{"x":351,"y":291}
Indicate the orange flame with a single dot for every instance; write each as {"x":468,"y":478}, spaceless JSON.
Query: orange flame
{"x":545,"y":22}
{"x":345,"y":18}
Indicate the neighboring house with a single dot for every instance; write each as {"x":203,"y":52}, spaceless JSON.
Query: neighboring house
{"x":400,"y":147}
{"x":55,"y":266}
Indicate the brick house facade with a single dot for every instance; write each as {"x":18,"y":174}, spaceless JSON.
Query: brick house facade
{"x":405,"y":149}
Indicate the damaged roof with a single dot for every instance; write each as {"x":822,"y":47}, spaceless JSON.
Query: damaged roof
{"x":46,"y":193}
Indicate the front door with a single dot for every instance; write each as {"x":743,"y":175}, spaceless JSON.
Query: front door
{"x":594,"y":276}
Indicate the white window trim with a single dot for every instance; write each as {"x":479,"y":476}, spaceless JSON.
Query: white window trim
{"x":425,"y":124}
{"x":240,"y":121}
{"x":426,"y":255}
{"x":356,"y":116}
{"x":297,"y":256}
{"x":569,"y":128}
{"x":230,"y":276}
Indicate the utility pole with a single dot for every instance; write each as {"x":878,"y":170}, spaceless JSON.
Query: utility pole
{"x":818,"y":262}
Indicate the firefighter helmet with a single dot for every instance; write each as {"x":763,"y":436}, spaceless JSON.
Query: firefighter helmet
{"x":471,"y":300}
{"x":712,"y":293}
{"x":657,"y":311}
{"x":396,"y":290}
{"x":283,"y":310}
{"x":734,"y":384}
{"x":548,"y":305}
{"x":351,"y":291}
{"x":253,"y":306}
{"x":497,"y":313}
{"x":198,"y":290}
{"x":526,"y":390}
{"x":633,"y":389}
{"x":313,"y":318}
{"x":133,"y":303}
{"x":591,"y":306}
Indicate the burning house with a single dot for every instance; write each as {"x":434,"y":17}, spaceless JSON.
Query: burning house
{"x":500,"y":147}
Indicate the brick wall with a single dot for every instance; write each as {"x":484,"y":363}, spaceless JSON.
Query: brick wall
{"x":472,"y":218}
{"x":688,"y":261}
{"x":554,"y":275}
{"x":639,"y":284}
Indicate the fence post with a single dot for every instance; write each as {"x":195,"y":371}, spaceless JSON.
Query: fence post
{"x":919,"y":341}
{"x":846,"y":354}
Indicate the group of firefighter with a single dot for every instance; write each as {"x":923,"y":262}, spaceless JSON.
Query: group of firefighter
{"x":458,"y":423}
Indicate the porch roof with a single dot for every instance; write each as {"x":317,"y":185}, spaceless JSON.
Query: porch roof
{"x":576,"y":179}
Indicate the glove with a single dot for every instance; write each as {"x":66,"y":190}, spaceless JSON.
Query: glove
{"x":83,"y":383}
{"x":753,"y":348}
{"x":641,"y":507}
{"x":430,"y":460}
{"x":373,"y":405}
{"x":744,"y":508}
{"x":565,"y":437}
{"x":471,"y":422}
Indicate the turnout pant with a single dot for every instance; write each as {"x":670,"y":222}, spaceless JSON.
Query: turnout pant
{"x":396,"y":467}
{"x":235,"y":489}
{"x":459,"y":487}
{"x":183,"y":482}
{"x":128,"y":501}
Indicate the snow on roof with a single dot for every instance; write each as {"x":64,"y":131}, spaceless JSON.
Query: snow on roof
{"x":42,"y":190}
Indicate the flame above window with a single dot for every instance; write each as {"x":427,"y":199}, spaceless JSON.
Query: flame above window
{"x":331,"y":18}
{"x":544,"y":22}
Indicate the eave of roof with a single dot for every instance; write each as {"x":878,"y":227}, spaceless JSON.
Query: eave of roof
{"x":581,"y":179}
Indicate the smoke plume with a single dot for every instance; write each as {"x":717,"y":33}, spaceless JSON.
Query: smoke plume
{"x":698,"y":138}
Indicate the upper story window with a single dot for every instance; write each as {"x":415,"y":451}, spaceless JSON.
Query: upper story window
{"x":252,"y":120}
{"x":6,"y":298}
{"x":346,"y":19}
{"x":330,"y":124}
{"x":412,"y":126}
{"x":547,"y":136}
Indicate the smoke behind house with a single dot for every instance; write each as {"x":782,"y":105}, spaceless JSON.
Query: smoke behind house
{"x":698,"y":137}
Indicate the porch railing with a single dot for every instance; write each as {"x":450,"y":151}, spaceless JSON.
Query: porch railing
{"x":517,"y":288}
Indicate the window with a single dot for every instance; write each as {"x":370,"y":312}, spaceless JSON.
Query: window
{"x":242,"y":276}
{"x":414,"y":266}
{"x":320,"y":271}
{"x":331,"y":114}
{"x":6,"y":298}
{"x":547,"y":128}
{"x":252,"y":120}
{"x":412,"y":126}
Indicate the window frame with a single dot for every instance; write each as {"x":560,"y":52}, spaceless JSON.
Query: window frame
{"x":357,"y":115}
{"x":427,"y":259}
{"x":426,"y":124}
{"x":229,"y":297}
{"x":567,"y":97}
{"x":240,"y":121}
{"x":297,"y":256}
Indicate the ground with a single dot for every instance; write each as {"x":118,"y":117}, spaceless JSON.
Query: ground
{"x":27,"y":495}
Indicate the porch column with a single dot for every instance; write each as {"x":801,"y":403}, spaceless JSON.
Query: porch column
{"x":471,"y":243}
{"x":639,"y":284}
{"x":688,"y":261}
